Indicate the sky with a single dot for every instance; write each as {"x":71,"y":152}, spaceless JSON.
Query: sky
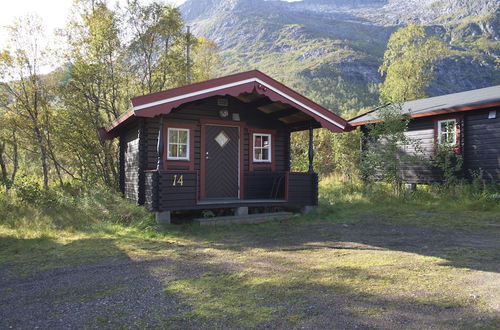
{"x":54,"y":13}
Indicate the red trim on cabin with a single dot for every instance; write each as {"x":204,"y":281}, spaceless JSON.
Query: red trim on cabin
{"x":181,"y":163}
{"x":182,"y":95}
{"x":459,"y":130}
{"x":432,"y":113}
{"x":241,"y":128}
{"x":253,"y":165}
{"x":108,"y":133}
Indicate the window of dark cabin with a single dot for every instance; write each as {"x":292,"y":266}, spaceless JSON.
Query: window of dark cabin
{"x":447,"y":132}
{"x":262,"y":148}
{"x":178,"y":143}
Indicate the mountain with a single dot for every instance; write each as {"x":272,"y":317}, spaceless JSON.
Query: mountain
{"x":331,"y":49}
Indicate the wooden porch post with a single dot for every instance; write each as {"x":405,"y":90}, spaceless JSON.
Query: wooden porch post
{"x":311,"y":148}
{"x":159,"y":146}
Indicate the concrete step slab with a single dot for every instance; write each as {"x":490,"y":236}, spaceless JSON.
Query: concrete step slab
{"x":245,"y":219}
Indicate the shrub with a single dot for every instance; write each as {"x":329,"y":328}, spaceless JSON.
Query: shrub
{"x":449,"y":162}
{"x":28,"y":191}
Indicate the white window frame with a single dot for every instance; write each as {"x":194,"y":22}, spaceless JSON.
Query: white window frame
{"x":440,"y":142}
{"x":269,"y":147}
{"x":187,"y":130}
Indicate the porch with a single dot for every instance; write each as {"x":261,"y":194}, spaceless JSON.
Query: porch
{"x":180,"y":190}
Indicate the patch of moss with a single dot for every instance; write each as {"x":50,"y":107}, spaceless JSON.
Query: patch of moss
{"x":230,"y":296}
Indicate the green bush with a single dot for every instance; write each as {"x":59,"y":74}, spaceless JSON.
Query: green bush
{"x":28,"y":191}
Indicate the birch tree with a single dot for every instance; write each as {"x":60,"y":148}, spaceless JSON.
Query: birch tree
{"x":24,"y":88}
{"x":94,"y":89}
{"x":408,"y":64}
{"x":155,"y":53}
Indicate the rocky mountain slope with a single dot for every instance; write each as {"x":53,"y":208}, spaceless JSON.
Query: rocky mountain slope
{"x":331,"y":49}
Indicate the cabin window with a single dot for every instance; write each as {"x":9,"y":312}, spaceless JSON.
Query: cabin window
{"x":447,"y":132}
{"x":178,"y":143}
{"x":261,"y":148}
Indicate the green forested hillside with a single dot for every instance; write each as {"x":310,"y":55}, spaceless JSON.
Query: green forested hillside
{"x":331,"y":50}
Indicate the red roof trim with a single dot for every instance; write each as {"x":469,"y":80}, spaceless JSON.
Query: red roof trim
{"x":432,"y":113}
{"x":163,"y":102}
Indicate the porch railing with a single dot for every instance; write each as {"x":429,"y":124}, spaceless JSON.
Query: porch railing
{"x":169,"y":190}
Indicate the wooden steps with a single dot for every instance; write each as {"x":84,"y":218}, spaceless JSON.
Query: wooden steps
{"x":244,"y":219}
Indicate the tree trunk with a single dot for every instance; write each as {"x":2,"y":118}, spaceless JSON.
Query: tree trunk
{"x":43,"y":158}
{"x":3,"y":166}
{"x":56,"y":163}
{"x":15,"y":160}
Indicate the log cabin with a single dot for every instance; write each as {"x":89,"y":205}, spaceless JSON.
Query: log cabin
{"x":221,"y":143}
{"x":467,"y":121}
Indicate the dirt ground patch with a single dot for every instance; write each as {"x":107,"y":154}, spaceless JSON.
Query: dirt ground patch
{"x":294,"y":274}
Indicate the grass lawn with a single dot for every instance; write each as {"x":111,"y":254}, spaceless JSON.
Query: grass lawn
{"x":354,"y":262}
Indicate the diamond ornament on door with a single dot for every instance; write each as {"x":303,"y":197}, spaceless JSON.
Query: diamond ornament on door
{"x":222,"y":139}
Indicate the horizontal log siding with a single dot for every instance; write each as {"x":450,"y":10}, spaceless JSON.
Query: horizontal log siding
{"x":131,"y":163}
{"x":142,"y":160}
{"x":191,"y":113}
{"x":121,"y":182}
{"x":152,"y":127}
{"x":160,"y":195}
{"x":303,"y":189}
{"x":421,"y":131}
{"x":174,"y":197}
{"x":482,"y":144}
{"x":481,"y":147}
{"x":265,"y":185}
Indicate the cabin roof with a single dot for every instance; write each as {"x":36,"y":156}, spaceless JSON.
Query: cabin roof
{"x":246,"y":86}
{"x":456,"y":102}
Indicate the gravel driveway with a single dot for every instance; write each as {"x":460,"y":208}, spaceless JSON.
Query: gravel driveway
{"x":284,"y":275}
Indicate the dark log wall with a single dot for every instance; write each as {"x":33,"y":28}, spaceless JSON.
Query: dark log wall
{"x":482,"y":144}
{"x":303,"y":188}
{"x":143,"y":160}
{"x":130,"y":144}
{"x":151,"y":190}
{"x":172,"y":195}
{"x":122,"y":148}
{"x":421,"y":133}
{"x":191,"y":113}
{"x":169,"y":197}
{"x":152,"y":126}
{"x":265,"y":185}
{"x":163,"y":195}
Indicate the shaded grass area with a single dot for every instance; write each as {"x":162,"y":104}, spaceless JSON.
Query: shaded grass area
{"x":72,"y":228}
{"x":363,"y":259}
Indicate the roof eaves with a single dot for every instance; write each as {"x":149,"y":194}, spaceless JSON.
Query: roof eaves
{"x":368,"y":112}
{"x":153,"y":104}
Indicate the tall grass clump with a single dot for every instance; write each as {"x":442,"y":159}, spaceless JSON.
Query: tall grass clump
{"x":28,"y":211}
